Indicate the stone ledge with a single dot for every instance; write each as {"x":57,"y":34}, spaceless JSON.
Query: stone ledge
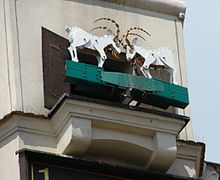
{"x":116,"y":134}
{"x":110,"y":133}
{"x":172,"y":7}
{"x":94,"y":137}
{"x":116,"y":105}
{"x":164,"y":6}
{"x":192,"y":154}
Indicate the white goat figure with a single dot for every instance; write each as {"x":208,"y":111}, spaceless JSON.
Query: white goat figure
{"x":164,"y":57}
{"x":160,"y":57}
{"x":132,"y":49}
{"x":80,"y":38}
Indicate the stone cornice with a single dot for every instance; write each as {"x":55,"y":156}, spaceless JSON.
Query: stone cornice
{"x":108,"y":104}
{"x":173,"y":7}
{"x":85,"y":127}
{"x":103,"y":132}
{"x":20,"y":113}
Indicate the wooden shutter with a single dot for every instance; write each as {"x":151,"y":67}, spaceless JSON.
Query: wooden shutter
{"x":54,"y":51}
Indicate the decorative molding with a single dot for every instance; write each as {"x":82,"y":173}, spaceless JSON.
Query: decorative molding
{"x":164,"y":153}
{"x":108,"y":133}
{"x":19,"y":124}
{"x":212,"y":176}
{"x":193,"y":155}
{"x":211,"y":171}
{"x":172,"y":7}
{"x":116,"y":115}
{"x":91,"y":129}
{"x":76,"y":136}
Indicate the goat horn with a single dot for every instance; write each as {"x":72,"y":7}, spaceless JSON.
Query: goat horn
{"x":134,"y":34}
{"x":114,"y":22}
{"x":140,"y":29}
{"x":126,"y":38}
{"x":99,"y":27}
{"x":128,"y":33}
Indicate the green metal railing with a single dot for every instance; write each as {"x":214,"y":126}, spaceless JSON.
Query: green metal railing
{"x":94,"y":80}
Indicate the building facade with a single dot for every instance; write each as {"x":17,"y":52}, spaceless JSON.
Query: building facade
{"x":75,"y":130}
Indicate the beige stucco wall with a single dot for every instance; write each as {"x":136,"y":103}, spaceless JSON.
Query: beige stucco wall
{"x":25,"y":18}
{"x":11,"y":96}
{"x":32,"y":15}
{"x":9,"y":166}
{"x":4,"y":88}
